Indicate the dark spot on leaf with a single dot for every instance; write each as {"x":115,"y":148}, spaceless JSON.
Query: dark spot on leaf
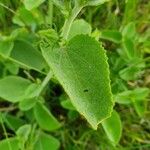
{"x":86,"y":90}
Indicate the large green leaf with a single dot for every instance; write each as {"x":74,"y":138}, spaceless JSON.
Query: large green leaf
{"x":81,"y":68}
{"x":44,"y":118}
{"x":113,"y":127}
{"x":46,"y":142}
{"x":9,"y":144}
{"x":12,"y":88}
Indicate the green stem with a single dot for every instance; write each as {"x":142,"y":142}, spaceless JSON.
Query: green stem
{"x":45,"y":82}
{"x":69,"y":21}
{"x":9,"y":9}
{"x":50,"y":12}
{"x":5,"y":132}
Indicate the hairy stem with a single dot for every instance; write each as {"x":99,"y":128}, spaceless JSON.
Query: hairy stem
{"x":50,"y":12}
{"x":45,"y":82}
{"x":69,"y":21}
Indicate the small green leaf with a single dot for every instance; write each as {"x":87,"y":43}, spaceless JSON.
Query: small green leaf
{"x":31,"y":4}
{"x":79,"y":26}
{"x":27,"y":56}
{"x":129,"y":31}
{"x":113,"y":127}
{"x":130,"y":73}
{"x":129,"y":96}
{"x":27,"y":104}
{"x":6,"y":47}
{"x":141,"y":93}
{"x":9,"y":144}
{"x":96,"y":34}
{"x":32,"y":91}
{"x":44,"y":118}
{"x":129,"y":48}
{"x":23,"y":134}
{"x":140,"y":107}
{"x":24,"y":131}
{"x":130,"y":11}
{"x":24,"y":17}
{"x":13,"y":122}
{"x":84,"y":77}
{"x":12,"y":88}
{"x":46,"y":142}
{"x":67,"y":105}
{"x":111,"y":35}
{"x":124,"y":97}
{"x":12,"y":67}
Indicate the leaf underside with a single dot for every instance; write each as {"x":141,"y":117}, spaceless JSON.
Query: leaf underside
{"x":81,"y":68}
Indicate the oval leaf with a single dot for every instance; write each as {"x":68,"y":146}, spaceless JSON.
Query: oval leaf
{"x":44,"y":118}
{"x":113,"y":127}
{"x":82,"y":69}
{"x":12,"y":88}
{"x":129,"y":31}
{"x":129,"y":48}
{"x":67,"y":104}
{"x":140,"y":107}
{"x":9,"y":144}
{"x":129,"y":96}
{"x":12,"y":122}
{"x":111,"y":35}
{"x":23,"y":134}
{"x":6,"y":47}
{"x":46,"y":142}
{"x":27,"y":56}
{"x":27,"y":104}
{"x":79,"y":27}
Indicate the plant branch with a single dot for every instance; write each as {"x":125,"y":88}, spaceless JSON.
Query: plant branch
{"x":6,"y":7}
{"x":50,"y":12}
{"x":7,"y":109}
{"x":69,"y":21}
{"x":45,"y":82}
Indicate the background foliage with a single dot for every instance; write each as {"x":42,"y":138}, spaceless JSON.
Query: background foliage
{"x":35,"y":119}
